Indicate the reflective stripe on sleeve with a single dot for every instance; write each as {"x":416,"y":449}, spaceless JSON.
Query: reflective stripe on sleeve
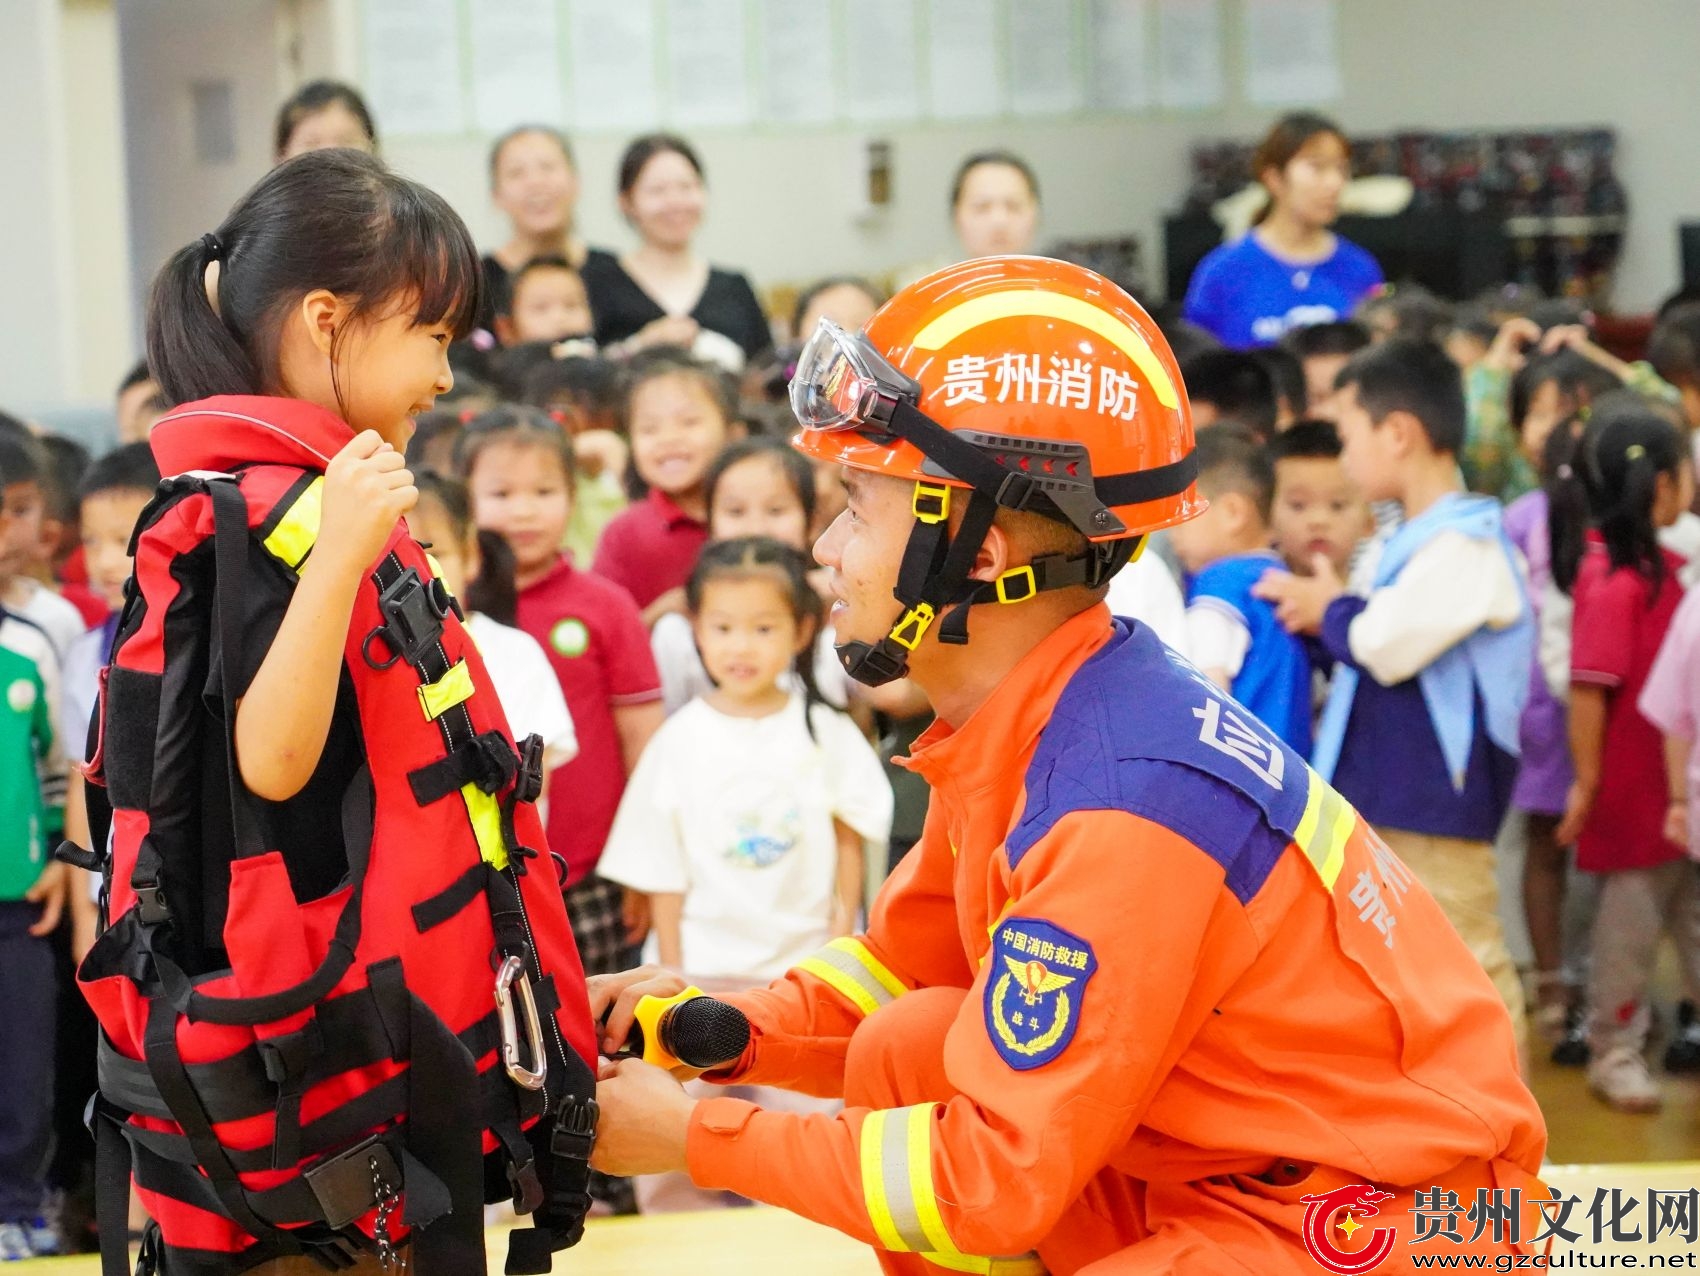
{"x":846,"y":966}
{"x":897,"y":1185}
{"x":1327,"y":823}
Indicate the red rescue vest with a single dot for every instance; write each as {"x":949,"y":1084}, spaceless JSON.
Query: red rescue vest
{"x":330,"y":1076}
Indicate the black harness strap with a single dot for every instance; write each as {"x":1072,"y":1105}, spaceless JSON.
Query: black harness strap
{"x":443,"y":1133}
{"x":166,"y":1065}
{"x":486,"y":760}
{"x":111,"y":1186}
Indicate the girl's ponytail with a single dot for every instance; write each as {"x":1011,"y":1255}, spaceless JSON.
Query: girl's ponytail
{"x":191,"y":352}
{"x":1567,"y":502}
{"x":494,"y":591}
{"x":1627,"y":525}
{"x":333,"y":219}
{"x":1613,"y":484}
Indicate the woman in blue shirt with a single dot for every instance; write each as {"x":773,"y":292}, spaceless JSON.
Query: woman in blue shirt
{"x":1290,"y":271}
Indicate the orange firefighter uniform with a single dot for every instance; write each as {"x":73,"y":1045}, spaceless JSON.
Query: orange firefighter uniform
{"x":1146,"y":983}
{"x":1109,"y":1013}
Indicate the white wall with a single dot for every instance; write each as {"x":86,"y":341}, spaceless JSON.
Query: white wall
{"x":65,"y":332}
{"x":35,"y":252}
{"x":780,"y":198}
{"x":105,"y":341}
{"x":167,"y":48}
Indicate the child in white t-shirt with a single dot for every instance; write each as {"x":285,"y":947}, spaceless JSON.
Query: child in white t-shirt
{"x":747,"y":817}
{"x":479,"y":570}
{"x":756,"y":487}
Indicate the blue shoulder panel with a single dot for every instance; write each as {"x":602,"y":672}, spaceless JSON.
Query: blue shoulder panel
{"x":1138,"y":729}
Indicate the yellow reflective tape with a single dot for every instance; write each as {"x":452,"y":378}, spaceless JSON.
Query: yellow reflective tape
{"x":1345,"y":819}
{"x":896,"y":1155}
{"x":849,"y":968}
{"x":454,"y":687}
{"x":292,"y":539}
{"x":1306,"y":833}
{"x":1322,"y":832}
{"x":873,"y":1181}
{"x":485,"y":812}
{"x":955,"y":1262}
{"x":1015,"y":302}
{"x":857,"y":949}
{"x":920,"y":1150}
{"x":840,"y":982}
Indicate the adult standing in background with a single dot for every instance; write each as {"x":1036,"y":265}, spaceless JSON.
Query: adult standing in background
{"x":663,"y":292}
{"x":994,"y":203}
{"x":1290,"y":270}
{"x":534,"y":182}
{"x":322,"y":114}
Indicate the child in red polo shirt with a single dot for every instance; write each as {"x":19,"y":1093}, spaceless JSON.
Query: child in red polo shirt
{"x":678,"y":413}
{"x":518,"y":465}
{"x":1627,"y":479}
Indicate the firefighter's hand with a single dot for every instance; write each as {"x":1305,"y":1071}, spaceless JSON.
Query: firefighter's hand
{"x":646,"y":1116}
{"x":367,"y":488}
{"x":614,"y":999}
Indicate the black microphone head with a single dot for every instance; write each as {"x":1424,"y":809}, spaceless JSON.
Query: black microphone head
{"x":705,"y":1033}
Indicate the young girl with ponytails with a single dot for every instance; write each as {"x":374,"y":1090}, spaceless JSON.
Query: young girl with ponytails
{"x":747,"y":817}
{"x":321,"y":823}
{"x":1627,"y":479}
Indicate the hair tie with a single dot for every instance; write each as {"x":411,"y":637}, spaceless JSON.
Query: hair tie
{"x":213,"y":246}
{"x":1635,"y":452}
{"x":1565,"y":472}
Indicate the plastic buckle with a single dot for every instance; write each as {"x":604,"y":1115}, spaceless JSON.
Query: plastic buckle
{"x":512,"y":975}
{"x":913,"y":627}
{"x":931,"y":502}
{"x":342,"y":1184}
{"x":1016,"y":490}
{"x":411,"y":621}
{"x":528,"y":785}
{"x":442,"y":601}
{"x":575,"y":1129}
{"x":151,"y":905}
{"x":1022,"y":573}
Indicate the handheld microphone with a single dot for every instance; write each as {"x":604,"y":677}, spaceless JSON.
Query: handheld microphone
{"x":688,"y":1029}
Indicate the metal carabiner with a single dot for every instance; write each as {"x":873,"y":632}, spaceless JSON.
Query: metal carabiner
{"x":512,"y":974}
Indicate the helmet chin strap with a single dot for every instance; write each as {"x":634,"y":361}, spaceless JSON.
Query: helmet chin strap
{"x":934,"y":577}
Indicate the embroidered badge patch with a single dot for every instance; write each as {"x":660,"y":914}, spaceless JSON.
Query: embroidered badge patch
{"x":1035,"y":985}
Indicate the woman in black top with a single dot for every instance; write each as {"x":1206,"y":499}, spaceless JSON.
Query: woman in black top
{"x":534,"y":181}
{"x":663,"y":293}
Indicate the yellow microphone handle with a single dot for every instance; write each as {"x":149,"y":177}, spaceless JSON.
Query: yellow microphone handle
{"x":649,"y":1013}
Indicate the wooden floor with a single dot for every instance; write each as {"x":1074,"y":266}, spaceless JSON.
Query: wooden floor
{"x":1589,"y":1146}
{"x":739,"y":1242}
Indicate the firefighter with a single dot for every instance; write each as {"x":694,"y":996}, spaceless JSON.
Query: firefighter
{"x":1148,"y":996}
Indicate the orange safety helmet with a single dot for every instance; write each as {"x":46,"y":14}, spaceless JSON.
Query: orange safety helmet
{"x":1035,"y":384}
{"x":1027,"y":347}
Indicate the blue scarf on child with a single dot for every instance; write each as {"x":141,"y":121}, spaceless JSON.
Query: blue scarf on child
{"x":1490,"y":663}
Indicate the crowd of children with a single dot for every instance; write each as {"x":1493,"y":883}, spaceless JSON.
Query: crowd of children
{"x":1446,"y":566}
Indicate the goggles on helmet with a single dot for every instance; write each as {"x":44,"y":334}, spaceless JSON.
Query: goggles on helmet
{"x":843,"y":383}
